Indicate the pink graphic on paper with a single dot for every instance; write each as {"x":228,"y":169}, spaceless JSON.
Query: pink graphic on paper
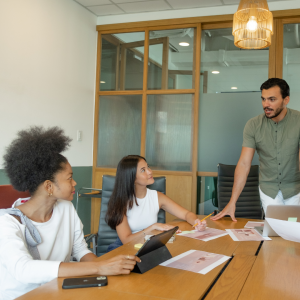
{"x":195,"y":261}
{"x":207,"y":233}
{"x":247,"y":235}
{"x":254,"y":224}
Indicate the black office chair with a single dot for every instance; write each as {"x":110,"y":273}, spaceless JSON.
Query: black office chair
{"x":248,"y":204}
{"x":106,"y":235}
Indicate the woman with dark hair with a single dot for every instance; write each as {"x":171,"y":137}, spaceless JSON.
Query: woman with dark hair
{"x":133,"y":208}
{"x":39,"y":234}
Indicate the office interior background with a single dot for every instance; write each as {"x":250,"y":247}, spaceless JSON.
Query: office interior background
{"x":64,"y":64}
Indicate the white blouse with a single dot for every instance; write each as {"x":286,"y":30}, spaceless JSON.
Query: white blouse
{"x":145,"y":213}
{"x":62,"y":236}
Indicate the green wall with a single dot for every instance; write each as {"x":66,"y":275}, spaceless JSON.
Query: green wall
{"x":3,"y":177}
{"x":83,"y":177}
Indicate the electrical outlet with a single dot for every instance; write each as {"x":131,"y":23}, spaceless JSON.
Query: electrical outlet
{"x":208,"y":187}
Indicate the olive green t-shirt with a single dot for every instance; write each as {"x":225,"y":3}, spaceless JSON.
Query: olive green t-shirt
{"x":277,"y":145}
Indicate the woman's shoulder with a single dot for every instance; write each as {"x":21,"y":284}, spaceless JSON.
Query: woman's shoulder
{"x":152,"y":192}
{"x":8,"y":223}
{"x":7,"y":218}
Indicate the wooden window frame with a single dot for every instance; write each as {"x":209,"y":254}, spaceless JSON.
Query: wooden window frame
{"x":279,"y":41}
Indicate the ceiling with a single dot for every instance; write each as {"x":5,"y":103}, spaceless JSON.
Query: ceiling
{"x":118,"y":7}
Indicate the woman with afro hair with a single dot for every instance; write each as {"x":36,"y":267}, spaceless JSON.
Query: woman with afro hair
{"x":39,"y":234}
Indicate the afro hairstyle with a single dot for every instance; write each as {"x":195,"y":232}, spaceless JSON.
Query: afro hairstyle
{"x":34,"y":156}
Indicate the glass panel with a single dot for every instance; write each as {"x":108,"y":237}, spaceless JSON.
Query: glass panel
{"x":119,"y":128}
{"x":291,"y":62}
{"x":122,"y":61}
{"x":170,"y":64}
{"x":207,"y":195}
{"x":108,"y":65}
{"x":169,"y":132}
{"x":229,"y":97}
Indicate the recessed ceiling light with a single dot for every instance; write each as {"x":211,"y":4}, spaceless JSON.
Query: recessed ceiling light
{"x":102,"y":81}
{"x":234,"y":88}
{"x":184,"y":44}
{"x":215,"y":72}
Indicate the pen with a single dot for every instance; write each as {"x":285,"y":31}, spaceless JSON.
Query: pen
{"x":203,"y":219}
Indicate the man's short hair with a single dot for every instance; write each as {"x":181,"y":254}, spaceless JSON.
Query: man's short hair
{"x":284,"y":87}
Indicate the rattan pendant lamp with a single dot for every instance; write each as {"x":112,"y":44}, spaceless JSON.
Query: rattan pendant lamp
{"x":252,"y":25}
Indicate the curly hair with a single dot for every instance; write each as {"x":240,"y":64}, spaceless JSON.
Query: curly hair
{"x":34,"y":156}
{"x":282,"y":84}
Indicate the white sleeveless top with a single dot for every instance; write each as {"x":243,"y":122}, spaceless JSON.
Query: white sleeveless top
{"x":145,"y":214}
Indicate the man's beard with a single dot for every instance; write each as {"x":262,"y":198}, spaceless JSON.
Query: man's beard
{"x":276,"y":113}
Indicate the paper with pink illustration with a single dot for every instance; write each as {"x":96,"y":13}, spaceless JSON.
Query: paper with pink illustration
{"x":206,"y":235}
{"x":196,"y":261}
{"x":252,"y":224}
{"x":243,"y":235}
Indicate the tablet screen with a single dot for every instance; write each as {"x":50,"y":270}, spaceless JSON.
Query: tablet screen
{"x":156,"y":241}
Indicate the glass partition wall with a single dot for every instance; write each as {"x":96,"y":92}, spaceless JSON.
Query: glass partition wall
{"x":229,"y":97}
{"x":145,"y":105}
{"x":169,"y":132}
{"x":120,"y":128}
{"x":122,"y":59}
{"x":171,"y":59}
{"x":180,"y":94}
{"x":169,"y":66}
{"x":291,"y":61}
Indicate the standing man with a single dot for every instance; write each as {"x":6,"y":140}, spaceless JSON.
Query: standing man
{"x":275,"y":135}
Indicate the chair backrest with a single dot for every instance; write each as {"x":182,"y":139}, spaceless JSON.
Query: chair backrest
{"x":8,"y":195}
{"x":106,"y":235}
{"x":248,"y":204}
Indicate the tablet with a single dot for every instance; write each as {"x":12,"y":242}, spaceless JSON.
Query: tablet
{"x":156,"y":241}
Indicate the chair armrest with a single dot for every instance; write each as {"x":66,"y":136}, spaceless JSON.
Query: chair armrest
{"x":90,"y":236}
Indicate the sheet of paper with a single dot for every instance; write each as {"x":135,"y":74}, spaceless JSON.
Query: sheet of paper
{"x":287,"y":230}
{"x":148,"y":236}
{"x":206,"y":235}
{"x":196,"y":261}
{"x":170,"y":241}
{"x":251,"y":224}
{"x":243,"y":235}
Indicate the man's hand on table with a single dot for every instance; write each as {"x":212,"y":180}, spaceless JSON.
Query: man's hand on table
{"x":121,"y":264}
{"x":229,"y":209}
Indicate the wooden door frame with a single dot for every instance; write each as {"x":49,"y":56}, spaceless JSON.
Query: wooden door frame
{"x":279,"y":42}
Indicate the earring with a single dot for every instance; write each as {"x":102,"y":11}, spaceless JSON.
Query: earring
{"x":49,"y":194}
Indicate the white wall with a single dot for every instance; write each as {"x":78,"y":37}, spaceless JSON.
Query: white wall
{"x":47,"y":71}
{"x":193,"y":12}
